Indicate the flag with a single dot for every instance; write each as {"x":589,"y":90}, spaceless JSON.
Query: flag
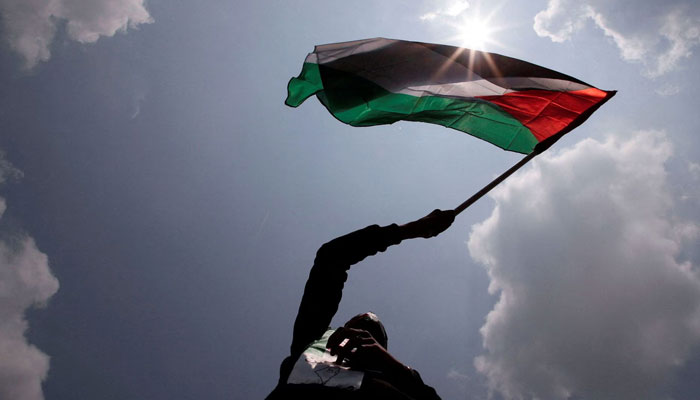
{"x":510,"y":103}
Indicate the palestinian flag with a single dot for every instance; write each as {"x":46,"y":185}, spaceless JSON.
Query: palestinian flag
{"x":508,"y":102}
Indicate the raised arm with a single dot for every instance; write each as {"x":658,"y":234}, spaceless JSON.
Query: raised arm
{"x":324,"y":288}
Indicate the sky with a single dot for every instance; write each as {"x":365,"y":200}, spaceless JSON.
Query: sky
{"x":160,"y":207}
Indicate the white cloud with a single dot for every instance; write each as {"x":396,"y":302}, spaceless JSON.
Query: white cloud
{"x":428,"y":16}
{"x":466,"y":383}
{"x":631,"y":48}
{"x":668,"y":90}
{"x":25,"y":282}
{"x":659,"y":36}
{"x":682,"y":32}
{"x":456,"y":8}
{"x":450,"y":9}
{"x":30,"y":25}
{"x":7,"y":172}
{"x":558,"y":22}
{"x":582,"y":250}
{"x":138,"y":99}
{"x":694,"y":169}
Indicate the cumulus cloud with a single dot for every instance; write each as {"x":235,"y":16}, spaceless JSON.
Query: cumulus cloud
{"x":30,"y":25}
{"x":659,"y":36}
{"x":583,"y":252}
{"x":25,"y":282}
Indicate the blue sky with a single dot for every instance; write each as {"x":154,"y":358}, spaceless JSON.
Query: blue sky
{"x":160,"y":207}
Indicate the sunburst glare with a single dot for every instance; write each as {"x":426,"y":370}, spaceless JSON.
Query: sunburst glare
{"x":474,"y":34}
{"x":475,"y":31}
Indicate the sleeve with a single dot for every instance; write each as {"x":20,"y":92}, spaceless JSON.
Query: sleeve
{"x":407,"y":385}
{"x":324,"y":288}
{"x":414,"y":386}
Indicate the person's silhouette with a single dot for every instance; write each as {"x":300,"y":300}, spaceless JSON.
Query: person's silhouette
{"x":351,"y":362}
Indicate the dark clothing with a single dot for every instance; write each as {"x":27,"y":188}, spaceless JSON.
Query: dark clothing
{"x":322,"y":294}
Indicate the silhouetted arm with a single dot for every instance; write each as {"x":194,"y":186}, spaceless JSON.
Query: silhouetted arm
{"x":324,"y":288}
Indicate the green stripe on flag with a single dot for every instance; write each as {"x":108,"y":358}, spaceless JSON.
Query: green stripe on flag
{"x":359,"y":102}
{"x":304,"y":86}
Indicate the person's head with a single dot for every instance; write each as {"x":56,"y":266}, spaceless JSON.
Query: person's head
{"x":370,"y":322}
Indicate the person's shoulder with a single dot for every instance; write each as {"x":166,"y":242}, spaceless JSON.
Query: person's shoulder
{"x":312,"y":392}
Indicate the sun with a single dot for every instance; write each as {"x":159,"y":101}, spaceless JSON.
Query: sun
{"x":474,"y":33}
{"x":475,"y":30}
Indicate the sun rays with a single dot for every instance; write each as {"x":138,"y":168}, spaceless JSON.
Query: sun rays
{"x":475,"y":30}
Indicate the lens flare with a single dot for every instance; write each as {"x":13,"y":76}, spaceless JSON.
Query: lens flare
{"x":474,"y":34}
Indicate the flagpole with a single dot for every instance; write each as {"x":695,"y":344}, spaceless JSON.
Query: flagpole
{"x":493,"y":183}
{"x":539,"y":148}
